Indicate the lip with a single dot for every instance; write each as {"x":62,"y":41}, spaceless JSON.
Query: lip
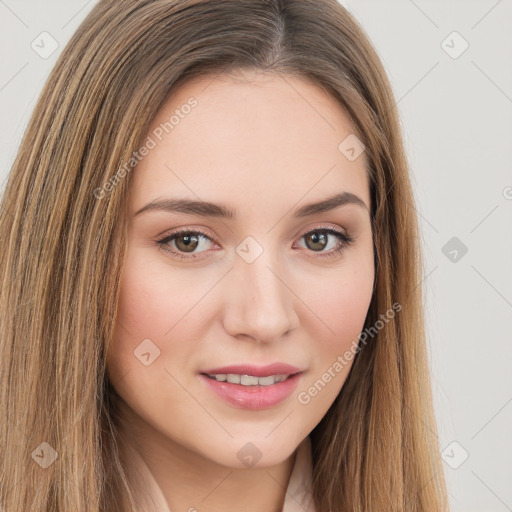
{"x":256,"y":371}
{"x":252,"y":397}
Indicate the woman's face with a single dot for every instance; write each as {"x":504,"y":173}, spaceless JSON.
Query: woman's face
{"x":265,"y":286}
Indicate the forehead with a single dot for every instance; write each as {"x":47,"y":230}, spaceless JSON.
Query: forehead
{"x":250,"y":140}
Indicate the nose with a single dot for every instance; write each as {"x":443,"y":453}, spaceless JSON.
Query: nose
{"x":260,"y":303}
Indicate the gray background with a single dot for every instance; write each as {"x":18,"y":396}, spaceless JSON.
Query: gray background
{"x":456,"y":111}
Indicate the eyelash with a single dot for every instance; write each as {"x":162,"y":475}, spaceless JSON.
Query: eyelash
{"x":344,"y":241}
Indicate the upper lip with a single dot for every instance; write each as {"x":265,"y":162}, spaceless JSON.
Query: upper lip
{"x":256,"y":371}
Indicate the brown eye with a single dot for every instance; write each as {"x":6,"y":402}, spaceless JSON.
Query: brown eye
{"x":319,"y":240}
{"x":183,"y":244}
{"x":316,"y":240}
{"x":189,"y":244}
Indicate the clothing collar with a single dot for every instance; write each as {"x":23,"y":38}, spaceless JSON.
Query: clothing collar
{"x":299,"y":496}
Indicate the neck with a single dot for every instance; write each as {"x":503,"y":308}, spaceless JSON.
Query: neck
{"x":178,"y":478}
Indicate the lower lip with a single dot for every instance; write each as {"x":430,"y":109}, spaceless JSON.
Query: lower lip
{"x":253,"y":397}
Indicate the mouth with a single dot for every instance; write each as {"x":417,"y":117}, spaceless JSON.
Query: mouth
{"x":249,"y":380}
{"x":274,"y":369}
{"x":250,"y":387}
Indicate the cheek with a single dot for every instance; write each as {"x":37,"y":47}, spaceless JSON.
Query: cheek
{"x":346,"y":302}
{"x":153,"y":337}
{"x":340,"y":304}
{"x":159,"y":302}
{"x":150,"y":308}
{"x":344,"y":312}
{"x":149,"y":305}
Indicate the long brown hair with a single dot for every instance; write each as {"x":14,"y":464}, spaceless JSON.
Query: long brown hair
{"x":63,"y":233}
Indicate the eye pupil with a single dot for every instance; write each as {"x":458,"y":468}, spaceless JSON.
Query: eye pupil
{"x":190,"y":246}
{"x":315,"y":237}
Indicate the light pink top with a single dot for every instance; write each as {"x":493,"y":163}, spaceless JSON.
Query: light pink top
{"x":298,"y":493}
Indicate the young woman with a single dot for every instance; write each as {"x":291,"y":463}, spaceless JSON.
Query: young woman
{"x":210,"y":273}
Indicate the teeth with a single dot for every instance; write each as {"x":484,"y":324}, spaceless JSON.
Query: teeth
{"x":249,"y":380}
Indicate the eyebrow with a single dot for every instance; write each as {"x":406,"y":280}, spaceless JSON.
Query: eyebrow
{"x":208,"y":209}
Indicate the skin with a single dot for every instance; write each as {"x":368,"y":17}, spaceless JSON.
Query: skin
{"x":265,"y":145}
